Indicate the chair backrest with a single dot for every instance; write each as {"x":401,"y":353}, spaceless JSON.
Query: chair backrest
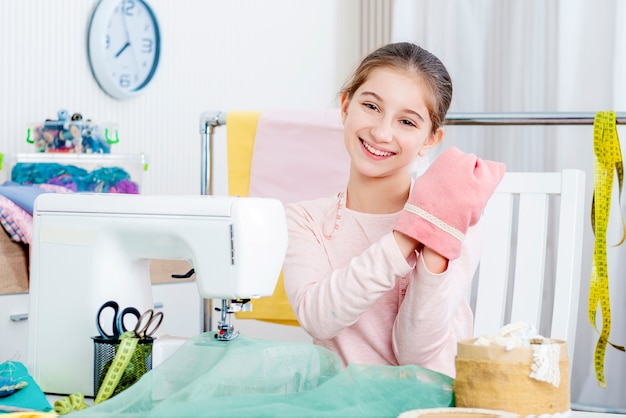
{"x":530,"y":269}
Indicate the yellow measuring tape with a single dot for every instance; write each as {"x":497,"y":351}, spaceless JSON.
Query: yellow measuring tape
{"x":71,"y":403}
{"x":123,"y":357}
{"x":608,"y":163}
{"x":128,"y":343}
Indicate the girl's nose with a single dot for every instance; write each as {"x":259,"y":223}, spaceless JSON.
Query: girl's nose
{"x":382,"y":131}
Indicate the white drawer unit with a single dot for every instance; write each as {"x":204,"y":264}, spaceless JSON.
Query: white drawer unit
{"x":13,"y":327}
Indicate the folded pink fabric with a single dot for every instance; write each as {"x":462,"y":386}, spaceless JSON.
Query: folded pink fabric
{"x":283,"y":137}
{"x":16,"y":221}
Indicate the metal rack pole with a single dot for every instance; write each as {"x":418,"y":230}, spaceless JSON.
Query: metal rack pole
{"x":527,"y":118}
{"x":208,"y":122}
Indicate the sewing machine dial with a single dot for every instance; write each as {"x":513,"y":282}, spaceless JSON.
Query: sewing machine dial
{"x":124,"y":46}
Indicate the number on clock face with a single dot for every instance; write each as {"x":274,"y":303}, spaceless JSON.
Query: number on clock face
{"x":130,"y":43}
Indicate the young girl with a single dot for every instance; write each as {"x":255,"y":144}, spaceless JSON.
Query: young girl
{"x":379,"y":273}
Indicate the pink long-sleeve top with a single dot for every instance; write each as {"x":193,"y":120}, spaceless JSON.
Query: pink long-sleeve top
{"x":355,"y":294}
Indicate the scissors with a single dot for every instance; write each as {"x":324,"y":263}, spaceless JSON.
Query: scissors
{"x":154,"y":321}
{"x":117,"y":324}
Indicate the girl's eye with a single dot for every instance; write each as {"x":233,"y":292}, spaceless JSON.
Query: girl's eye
{"x":407,"y":122}
{"x":370,"y":106}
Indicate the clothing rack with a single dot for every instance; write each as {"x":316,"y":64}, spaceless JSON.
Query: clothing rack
{"x":212,"y":119}
{"x":209,"y":120}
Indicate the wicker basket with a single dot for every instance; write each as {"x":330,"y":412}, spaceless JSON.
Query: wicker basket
{"x":493,"y":378}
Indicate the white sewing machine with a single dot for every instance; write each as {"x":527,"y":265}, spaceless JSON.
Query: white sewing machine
{"x":91,"y":248}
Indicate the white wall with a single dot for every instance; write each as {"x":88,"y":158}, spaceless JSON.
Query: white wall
{"x":216,"y":55}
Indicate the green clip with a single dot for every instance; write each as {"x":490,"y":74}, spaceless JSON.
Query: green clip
{"x":109,"y":140}
{"x":28,"y":139}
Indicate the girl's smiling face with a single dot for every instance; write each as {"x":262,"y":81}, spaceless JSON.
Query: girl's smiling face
{"x":387,"y":123}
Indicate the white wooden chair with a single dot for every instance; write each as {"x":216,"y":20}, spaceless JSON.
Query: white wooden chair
{"x":530,"y":269}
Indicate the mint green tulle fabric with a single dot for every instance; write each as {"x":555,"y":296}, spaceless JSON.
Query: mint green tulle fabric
{"x":263,"y":378}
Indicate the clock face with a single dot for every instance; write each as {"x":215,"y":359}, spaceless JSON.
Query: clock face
{"x":124,"y":46}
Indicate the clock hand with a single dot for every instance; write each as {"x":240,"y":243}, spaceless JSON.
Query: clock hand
{"x":128,"y":39}
{"x":126,"y":45}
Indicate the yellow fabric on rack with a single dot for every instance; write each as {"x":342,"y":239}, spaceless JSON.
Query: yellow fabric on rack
{"x":240,"y":134}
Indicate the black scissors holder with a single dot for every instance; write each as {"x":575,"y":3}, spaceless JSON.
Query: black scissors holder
{"x":105,"y":350}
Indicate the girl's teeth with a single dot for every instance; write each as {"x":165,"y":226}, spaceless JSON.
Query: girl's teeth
{"x":376,"y":152}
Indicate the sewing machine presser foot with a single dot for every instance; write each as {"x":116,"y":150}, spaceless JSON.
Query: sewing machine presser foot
{"x":225,"y":330}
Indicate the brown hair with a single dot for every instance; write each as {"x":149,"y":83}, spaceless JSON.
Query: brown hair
{"x":414,"y":59}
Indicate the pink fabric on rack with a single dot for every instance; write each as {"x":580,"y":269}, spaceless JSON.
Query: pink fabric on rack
{"x":283,"y":134}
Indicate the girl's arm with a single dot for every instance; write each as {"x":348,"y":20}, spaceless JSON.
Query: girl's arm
{"x":435,"y":313}
{"x":326,"y":300}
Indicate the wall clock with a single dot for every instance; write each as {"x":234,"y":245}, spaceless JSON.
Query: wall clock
{"x":124,"y":45}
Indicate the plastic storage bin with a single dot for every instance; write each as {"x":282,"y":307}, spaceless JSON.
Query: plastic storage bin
{"x":96,"y":173}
